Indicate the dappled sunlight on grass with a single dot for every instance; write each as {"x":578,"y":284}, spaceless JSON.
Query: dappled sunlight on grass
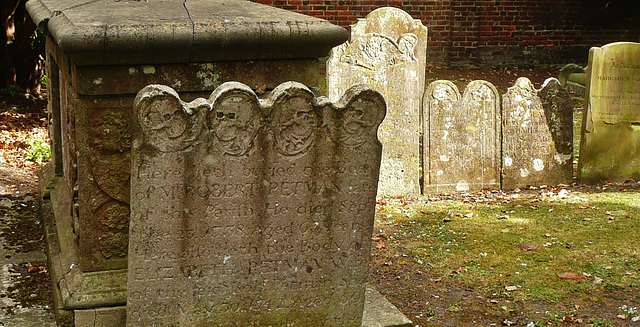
{"x":516,"y":247}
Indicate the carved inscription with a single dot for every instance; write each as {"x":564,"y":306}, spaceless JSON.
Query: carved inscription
{"x":392,"y":61}
{"x":265,"y":218}
{"x":461,"y":139}
{"x":611,"y":122}
{"x":537,"y":135}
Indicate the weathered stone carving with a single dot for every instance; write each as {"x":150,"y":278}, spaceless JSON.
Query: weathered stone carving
{"x":462,"y":137}
{"x":537,"y":131}
{"x":168,"y":123}
{"x":388,"y":52}
{"x":264,"y":219}
{"x":110,"y":163}
{"x":376,"y":52}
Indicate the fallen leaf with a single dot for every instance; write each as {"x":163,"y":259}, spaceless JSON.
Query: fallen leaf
{"x":528,"y":247}
{"x":511,"y":288}
{"x":505,"y":230}
{"x":493,"y":301}
{"x":567,"y":318}
{"x":583,"y":206}
{"x":597,"y":280}
{"x":623,"y":317}
{"x":570,"y":276}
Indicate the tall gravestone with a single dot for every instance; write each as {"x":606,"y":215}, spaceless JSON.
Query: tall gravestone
{"x":461,"y":142}
{"x":537,"y":135}
{"x":250,"y":212}
{"x":610,"y":142}
{"x":387,"y":51}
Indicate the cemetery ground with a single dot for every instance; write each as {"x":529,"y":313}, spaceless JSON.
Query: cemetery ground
{"x":538,"y":256}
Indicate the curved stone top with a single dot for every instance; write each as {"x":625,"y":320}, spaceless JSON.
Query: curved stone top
{"x":119,"y":32}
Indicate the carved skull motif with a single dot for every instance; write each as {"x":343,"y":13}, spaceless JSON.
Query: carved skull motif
{"x":295,"y":126}
{"x":234,"y":123}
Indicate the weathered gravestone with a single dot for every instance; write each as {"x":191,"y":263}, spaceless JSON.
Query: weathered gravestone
{"x":461,"y":139}
{"x":100,"y":53}
{"x":610,"y":143}
{"x":537,"y":135}
{"x":388,"y":52}
{"x":252,"y":213}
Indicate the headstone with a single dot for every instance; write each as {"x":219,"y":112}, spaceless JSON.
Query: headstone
{"x":610,"y":142}
{"x":537,"y":139}
{"x":388,"y":52}
{"x":99,"y":54}
{"x":461,"y":141}
{"x":250,"y":212}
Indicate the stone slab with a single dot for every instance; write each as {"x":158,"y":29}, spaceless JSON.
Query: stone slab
{"x":252,"y":212}
{"x":101,"y":317}
{"x":73,"y":288}
{"x":379,"y":312}
{"x":611,"y":123}
{"x":107,"y":32}
{"x":387,"y":51}
{"x":537,"y":129}
{"x":461,"y":142}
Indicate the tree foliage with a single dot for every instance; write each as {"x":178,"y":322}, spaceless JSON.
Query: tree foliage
{"x":21,"y":50}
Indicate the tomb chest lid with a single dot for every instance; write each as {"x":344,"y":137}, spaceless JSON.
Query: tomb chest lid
{"x":121,"y":32}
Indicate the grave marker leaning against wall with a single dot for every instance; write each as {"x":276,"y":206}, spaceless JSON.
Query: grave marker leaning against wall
{"x":537,"y":139}
{"x":461,"y":142}
{"x":610,"y":142}
{"x":388,"y":52}
{"x":250,"y":212}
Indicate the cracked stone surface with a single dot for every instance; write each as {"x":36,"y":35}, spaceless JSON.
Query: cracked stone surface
{"x":107,"y":32}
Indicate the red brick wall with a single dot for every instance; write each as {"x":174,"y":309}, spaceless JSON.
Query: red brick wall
{"x":493,"y":33}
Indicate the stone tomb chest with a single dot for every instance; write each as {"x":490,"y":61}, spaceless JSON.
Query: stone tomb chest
{"x":252,"y":213}
{"x":100,"y":53}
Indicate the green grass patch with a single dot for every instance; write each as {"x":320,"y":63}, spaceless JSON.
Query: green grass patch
{"x":484,"y":245}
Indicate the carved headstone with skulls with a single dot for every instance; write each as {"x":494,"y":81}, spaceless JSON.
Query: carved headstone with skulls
{"x":249,"y":212}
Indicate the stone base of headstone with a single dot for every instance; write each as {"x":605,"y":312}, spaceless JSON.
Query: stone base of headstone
{"x":378,"y":312}
{"x":73,"y":289}
{"x":97,"y":299}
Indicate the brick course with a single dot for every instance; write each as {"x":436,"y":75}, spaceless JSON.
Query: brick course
{"x":495,"y":33}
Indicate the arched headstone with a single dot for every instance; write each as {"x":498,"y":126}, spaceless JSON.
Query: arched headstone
{"x":388,"y":52}
{"x":250,"y":212}
{"x":461,"y":142}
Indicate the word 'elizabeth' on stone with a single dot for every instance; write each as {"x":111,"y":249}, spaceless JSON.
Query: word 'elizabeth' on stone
{"x":250,"y":212}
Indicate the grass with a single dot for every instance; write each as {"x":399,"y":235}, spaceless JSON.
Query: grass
{"x":479,"y":243}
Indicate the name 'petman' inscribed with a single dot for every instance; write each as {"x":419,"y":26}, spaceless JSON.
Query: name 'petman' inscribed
{"x":249,"y":212}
